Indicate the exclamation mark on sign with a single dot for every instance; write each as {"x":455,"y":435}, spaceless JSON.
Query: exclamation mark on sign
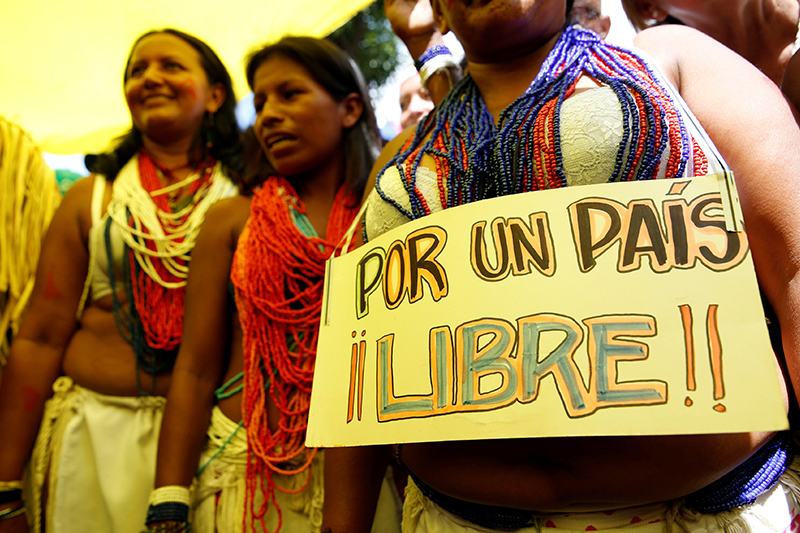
{"x":714,"y":353}
{"x":353,"y":370}
{"x":362,"y":354}
{"x":688,"y":322}
{"x":357,"y":357}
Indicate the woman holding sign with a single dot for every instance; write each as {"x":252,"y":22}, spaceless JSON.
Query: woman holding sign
{"x":588,"y":112}
{"x":251,"y":326}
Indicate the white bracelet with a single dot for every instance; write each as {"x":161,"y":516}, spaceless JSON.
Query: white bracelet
{"x":170,"y":493}
{"x":10,"y":485}
{"x":436,"y":64}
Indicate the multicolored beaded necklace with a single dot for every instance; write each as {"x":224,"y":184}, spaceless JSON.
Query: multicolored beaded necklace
{"x":278,"y":271}
{"x":155,"y":278}
{"x":476,"y":159}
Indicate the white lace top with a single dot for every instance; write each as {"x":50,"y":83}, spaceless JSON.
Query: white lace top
{"x":591,"y":132}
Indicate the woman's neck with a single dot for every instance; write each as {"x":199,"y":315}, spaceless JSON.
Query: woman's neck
{"x":502,"y":82}
{"x":171,"y":155}
{"x":761,"y":31}
{"x":317,"y":190}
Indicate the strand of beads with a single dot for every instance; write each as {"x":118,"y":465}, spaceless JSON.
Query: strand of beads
{"x":278,"y":272}
{"x":476,"y":159}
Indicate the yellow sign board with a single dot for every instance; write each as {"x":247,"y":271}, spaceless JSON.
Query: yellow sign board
{"x":613,"y":309}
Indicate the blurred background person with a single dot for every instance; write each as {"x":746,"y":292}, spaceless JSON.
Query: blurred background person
{"x":415,"y":102}
{"x":589,"y":14}
{"x":28,"y":198}
{"x":765,"y":32}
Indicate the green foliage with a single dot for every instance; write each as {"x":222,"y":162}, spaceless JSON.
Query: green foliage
{"x":369,"y":40}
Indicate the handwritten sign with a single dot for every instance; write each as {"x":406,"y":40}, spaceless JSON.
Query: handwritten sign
{"x":609,"y":309}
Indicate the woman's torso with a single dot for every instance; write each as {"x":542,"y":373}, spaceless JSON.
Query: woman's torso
{"x":97,"y":356}
{"x":578,"y":473}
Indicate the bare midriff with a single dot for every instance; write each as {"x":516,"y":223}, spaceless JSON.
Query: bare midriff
{"x":99,"y":359}
{"x":232,"y":405}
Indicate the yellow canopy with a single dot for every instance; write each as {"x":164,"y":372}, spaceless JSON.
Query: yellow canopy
{"x":62,"y":60}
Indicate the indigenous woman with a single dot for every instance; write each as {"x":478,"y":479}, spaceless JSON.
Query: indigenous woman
{"x":105,"y":318}
{"x":257,"y":351}
{"x":581,"y":106}
{"x":765,"y":32}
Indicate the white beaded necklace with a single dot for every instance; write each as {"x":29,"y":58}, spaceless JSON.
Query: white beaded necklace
{"x":132,"y":210}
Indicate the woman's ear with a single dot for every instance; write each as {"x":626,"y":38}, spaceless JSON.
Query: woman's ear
{"x":216,"y":98}
{"x":650,"y":9}
{"x":353,"y":108}
{"x":438,"y":17}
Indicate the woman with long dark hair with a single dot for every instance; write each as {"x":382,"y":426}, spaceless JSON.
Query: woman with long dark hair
{"x":106,"y":314}
{"x":254,"y":300}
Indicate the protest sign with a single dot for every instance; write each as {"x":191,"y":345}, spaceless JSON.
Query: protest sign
{"x":614,"y":309}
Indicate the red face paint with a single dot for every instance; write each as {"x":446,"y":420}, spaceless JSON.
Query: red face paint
{"x":30,"y":399}
{"x":189,"y":87}
{"x":51,"y":292}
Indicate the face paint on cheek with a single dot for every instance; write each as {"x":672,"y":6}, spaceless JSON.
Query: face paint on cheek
{"x":190,"y":88}
{"x":51,"y":292}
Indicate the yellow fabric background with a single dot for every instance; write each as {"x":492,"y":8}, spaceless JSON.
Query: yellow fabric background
{"x":62,"y":61}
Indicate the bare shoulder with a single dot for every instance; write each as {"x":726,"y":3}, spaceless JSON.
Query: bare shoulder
{"x":79,"y":195}
{"x":677,"y":49}
{"x":74,"y":213}
{"x":227,"y":217}
{"x":673,"y":40}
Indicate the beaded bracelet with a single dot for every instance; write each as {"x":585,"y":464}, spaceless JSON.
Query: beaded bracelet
{"x":434,"y":59}
{"x":169,"y":527}
{"x":11,"y":512}
{"x":430,"y":53}
{"x":170,"y":493}
{"x":167,"y":512}
{"x":168,"y":504}
{"x":436,"y":64}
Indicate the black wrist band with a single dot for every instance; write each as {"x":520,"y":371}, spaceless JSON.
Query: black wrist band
{"x":10,"y":496}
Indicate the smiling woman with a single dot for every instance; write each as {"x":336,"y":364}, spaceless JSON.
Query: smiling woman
{"x":106,"y":313}
{"x":166,"y":86}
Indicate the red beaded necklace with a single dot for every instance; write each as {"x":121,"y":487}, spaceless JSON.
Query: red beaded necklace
{"x":278,"y":273}
{"x":160,"y":309}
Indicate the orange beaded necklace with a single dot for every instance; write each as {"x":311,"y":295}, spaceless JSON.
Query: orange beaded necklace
{"x":278,"y":272}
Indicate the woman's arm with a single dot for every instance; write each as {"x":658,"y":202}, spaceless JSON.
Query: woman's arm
{"x":353,"y":476}
{"x":48,"y":325}
{"x":753,"y":127}
{"x":412,"y":21}
{"x":204,"y":350}
{"x":791,"y":83}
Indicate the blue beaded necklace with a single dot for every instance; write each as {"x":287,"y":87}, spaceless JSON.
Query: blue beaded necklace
{"x":476,"y":159}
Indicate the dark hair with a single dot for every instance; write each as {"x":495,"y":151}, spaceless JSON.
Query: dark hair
{"x":338,"y":74}
{"x":221,"y":130}
{"x":569,"y":6}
